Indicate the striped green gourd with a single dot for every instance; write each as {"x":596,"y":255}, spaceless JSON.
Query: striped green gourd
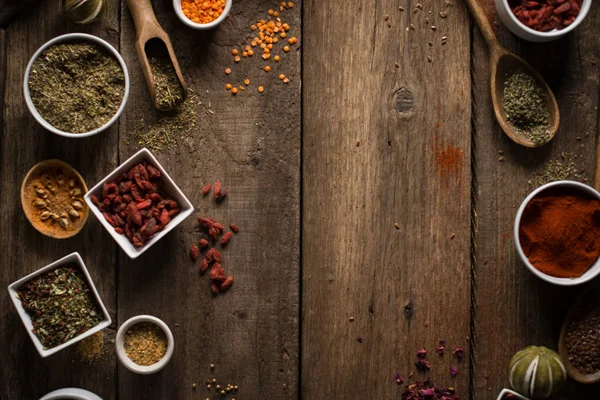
{"x":536,"y":372}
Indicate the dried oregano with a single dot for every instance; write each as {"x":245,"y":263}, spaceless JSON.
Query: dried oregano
{"x":76,"y":87}
{"x":524,"y":107}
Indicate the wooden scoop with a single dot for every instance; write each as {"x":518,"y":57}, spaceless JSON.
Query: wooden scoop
{"x":151,"y":37}
{"x":503,"y":64}
{"x":590,"y":295}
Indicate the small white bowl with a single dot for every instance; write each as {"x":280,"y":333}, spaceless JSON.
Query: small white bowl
{"x":120,"y":345}
{"x":194,"y":25}
{"x":524,"y":32}
{"x":73,"y":37}
{"x":506,"y":392}
{"x":592,"y":271}
{"x":71,"y":394}
{"x":73,"y":258}
{"x":170,"y":188}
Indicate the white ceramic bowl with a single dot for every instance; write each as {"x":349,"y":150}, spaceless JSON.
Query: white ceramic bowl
{"x":73,"y":258}
{"x":170,"y":188}
{"x":120,"y":345}
{"x":524,"y":32}
{"x":71,"y":393}
{"x":506,"y":392}
{"x":194,"y":25}
{"x":72,"y":37}
{"x":592,"y":272}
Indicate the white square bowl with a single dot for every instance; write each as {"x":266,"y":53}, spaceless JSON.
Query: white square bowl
{"x":170,"y":188}
{"x":73,"y":258}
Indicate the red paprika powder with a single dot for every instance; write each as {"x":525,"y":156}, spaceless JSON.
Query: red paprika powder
{"x":560,"y":233}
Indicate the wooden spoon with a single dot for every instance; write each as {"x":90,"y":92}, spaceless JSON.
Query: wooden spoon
{"x":150,"y":36}
{"x":503,"y":64}
{"x":590,"y":295}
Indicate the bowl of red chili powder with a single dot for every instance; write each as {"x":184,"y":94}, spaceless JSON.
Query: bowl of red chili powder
{"x":557,"y":233}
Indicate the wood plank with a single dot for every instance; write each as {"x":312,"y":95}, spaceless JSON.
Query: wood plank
{"x":513,"y":308}
{"x":25,"y":375}
{"x":251,"y":143}
{"x":384,"y":145}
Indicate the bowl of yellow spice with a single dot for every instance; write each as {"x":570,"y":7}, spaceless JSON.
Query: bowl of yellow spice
{"x":144,"y":344}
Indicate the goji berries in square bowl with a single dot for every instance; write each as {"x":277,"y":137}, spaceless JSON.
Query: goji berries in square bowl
{"x":138,"y":203}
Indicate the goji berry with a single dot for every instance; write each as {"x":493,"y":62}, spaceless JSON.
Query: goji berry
{"x":203,"y":243}
{"x":226,"y":238}
{"x":234,"y":228}
{"x":226,"y":284}
{"x":195,"y":252}
{"x":203,"y":266}
{"x":206,"y":189}
{"x":217,"y":191}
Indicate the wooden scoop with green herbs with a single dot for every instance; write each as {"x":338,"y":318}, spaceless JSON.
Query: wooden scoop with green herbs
{"x":159,"y":63}
{"x":524,"y":104}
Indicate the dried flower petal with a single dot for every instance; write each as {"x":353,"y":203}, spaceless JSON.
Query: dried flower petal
{"x":459,"y":352}
{"x":453,"y":371}
{"x":421,"y":354}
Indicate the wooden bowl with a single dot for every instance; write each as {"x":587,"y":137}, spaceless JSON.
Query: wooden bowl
{"x":42,"y":192}
{"x":590,"y":294}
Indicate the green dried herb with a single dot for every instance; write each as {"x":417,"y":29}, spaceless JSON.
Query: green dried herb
{"x":164,"y":133}
{"x":169,"y":92}
{"x":562,"y":168}
{"x":61,"y":305}
{"x":76,"y":87}
{"x":524,"y":107}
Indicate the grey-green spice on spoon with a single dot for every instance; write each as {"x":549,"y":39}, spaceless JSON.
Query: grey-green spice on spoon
{"x":529,"y":129}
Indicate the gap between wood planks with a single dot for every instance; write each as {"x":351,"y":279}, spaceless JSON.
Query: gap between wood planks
{"x":473,"y":247}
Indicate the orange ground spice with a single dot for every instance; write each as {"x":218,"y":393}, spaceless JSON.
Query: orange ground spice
{"x":202,"y":11}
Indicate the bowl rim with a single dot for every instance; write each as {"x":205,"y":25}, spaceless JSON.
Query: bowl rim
{"x":66,"y":38}
{"x":74,"y":257}
{"x":585,"y":8}
{"x":590,"y":273}
{"x":505,"y":391}
{"x":71,"y":393}
{"x":195,"y":25}
{"x":186,"y":206}
{"x":120,"y":345}
{"x":77,"y":174}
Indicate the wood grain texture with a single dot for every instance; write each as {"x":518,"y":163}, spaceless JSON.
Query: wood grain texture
{"x":513,"y":308}
{"x":384,"y":144}
{"x":250,"y":142}
{"x":24,"y":374}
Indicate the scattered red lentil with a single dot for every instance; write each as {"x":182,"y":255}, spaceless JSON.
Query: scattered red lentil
{"x":261,"y":89}
{"x":227,"y":71}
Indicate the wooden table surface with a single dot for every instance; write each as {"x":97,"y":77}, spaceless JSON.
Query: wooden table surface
{"x":367,"y":134}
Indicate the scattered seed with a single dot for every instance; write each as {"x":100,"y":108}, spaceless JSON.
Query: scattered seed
{"x":397,"y":225}
{"x":452,"y":236}
{"x":429,"y":58}
{"x":500,"y":159}
{"x":433,"y":27}
{"x":412,"y":26}
{"x":443,"y":14}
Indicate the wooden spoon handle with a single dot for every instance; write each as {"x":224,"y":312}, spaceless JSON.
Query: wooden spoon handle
{"x":484,"y":25}
{"x":143,"y":14}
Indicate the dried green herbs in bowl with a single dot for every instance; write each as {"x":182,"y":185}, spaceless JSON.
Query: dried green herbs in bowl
{"x":76,"y":85}
{"x":59,"y":305}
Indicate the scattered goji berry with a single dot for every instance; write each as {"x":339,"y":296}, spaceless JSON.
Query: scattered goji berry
{"x":234,"y":228}
{"x":195,"y":252}
{"x":203,"y":243}
{"x":226,"y":238}
{"x":226,"y":283}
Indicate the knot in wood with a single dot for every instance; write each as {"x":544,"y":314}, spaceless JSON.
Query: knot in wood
{"x":404,"y":103}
